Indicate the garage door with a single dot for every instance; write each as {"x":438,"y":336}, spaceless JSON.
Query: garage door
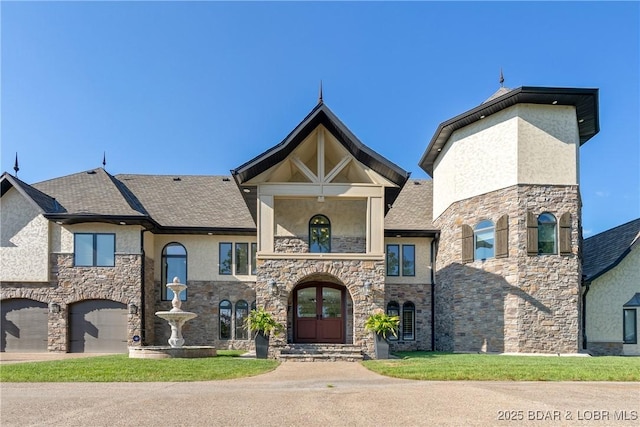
{"x":24,"y":326}
{"x":98,"y":326}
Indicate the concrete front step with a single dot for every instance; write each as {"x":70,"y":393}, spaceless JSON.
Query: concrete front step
{"x":320,"y":353}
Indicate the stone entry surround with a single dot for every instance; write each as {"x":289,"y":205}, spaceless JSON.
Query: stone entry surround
{"x":352,"y":273}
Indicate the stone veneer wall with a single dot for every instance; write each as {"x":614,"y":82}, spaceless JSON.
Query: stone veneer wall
{"x":289,"y":273}
{"x":203,"y":298}
{"x":339,"y":244}
{"x":120,"y":283}
{"x":520,"y":303}
{"x":420,"y":296}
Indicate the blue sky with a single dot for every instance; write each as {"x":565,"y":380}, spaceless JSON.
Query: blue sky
{"x":202,"y":87}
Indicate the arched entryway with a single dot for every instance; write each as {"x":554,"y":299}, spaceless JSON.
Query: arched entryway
{"x":319,"y":314}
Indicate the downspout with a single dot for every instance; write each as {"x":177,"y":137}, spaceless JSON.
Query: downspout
{"x":143,"y":329}
{"x":584,"y":313}
{"x":434,"y":249}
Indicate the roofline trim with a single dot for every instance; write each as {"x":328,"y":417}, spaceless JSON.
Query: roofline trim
{"x":521,"y":95}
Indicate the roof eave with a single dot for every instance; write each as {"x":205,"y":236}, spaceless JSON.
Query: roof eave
{"x":584,"y":99}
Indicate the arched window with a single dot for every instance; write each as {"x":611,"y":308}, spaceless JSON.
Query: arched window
{"x":174,"y":264}
{"x":242,"y":310}
{"x":393,"y":309}
{"x":547,"y":234}
{"x":319,"y":234}
{"x":483,"y":240}
{"x":225,"y":320}
{"x":408,"y":321}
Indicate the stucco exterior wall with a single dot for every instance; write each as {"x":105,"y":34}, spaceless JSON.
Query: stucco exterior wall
{"x":423,"y":260}
{"x":607,"y":294}
{"x":508,"y":148}
{"x":127,"y":236}
{"x":24,"y":237}
{"x":348,"y":217}
{"x":202,"y":256}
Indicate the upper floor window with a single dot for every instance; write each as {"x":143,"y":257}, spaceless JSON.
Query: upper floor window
{"x":94,"y":249}
{"x":241,"y":261}
{"x":174,"y":264}
{"x":483,"y":240}
{"x":319,"y":234}
{"x":408,"y":257}
{"x":547,"y":234}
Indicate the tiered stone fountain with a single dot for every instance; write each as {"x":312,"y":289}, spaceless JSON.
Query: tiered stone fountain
{"x":176,"y":318}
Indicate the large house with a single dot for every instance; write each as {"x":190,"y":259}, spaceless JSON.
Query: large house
{"x":321,"y":231}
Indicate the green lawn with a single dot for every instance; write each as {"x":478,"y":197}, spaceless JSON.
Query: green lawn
{"x":484,"y":367}
{"x":120,"y":368}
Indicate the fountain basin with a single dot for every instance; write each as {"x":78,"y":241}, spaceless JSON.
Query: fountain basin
{"x":167,"y":352}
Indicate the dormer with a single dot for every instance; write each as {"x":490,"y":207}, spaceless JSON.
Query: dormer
{"x":320,"y":168}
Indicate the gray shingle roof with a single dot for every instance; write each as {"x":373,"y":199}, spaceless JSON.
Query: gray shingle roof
{"x":412,"y":210}
{"x":604,"y":251}
{"x":93,"y":192}
{"x":183,"y":203}
{"x":43,"y":201}
{"x":190,"y":201}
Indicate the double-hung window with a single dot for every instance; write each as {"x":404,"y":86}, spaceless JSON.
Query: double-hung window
{"x":94,"y":249}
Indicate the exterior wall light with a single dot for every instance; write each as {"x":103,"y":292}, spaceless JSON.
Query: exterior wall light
{"x":367,"y":288}
{"x":54,"y":308}
{"x":273,"y":287}
{"x":133,"y":309}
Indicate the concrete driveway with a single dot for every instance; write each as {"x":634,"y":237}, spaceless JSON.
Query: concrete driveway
{"x":320,"y":394}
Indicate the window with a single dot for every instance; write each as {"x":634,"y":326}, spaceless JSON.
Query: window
{"x":393,"y":309}
{"x":630,"y":326}
{"x":254,"y":261}
{"x":94,"y":250}
{"x":225,"y":320}
{"x":483,"y":240}
{"x":547,"y":234}
{"x":408,"y":260}
{"x":174,"y":264}
{"x":224,"y":260}
{"x":319,"y":234}
{"x":393,"y":260}
{"x":242,"y":311}
{"x":242,"y":258}
{"x":408,"y":321}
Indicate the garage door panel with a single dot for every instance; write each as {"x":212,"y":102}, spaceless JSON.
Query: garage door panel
{"x":24,"y":326}
{"x":98,"y":326}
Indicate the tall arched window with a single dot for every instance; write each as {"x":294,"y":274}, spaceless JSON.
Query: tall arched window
{"x":174,"y":264}
{"x":319,"y":234}
{"x":408,"y":321}
{"x":242,"y":310}
{"x":393,"y":309}
{"x":483,"y":240}
{"x":547,"y":234}
{"x":225,"y":320}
